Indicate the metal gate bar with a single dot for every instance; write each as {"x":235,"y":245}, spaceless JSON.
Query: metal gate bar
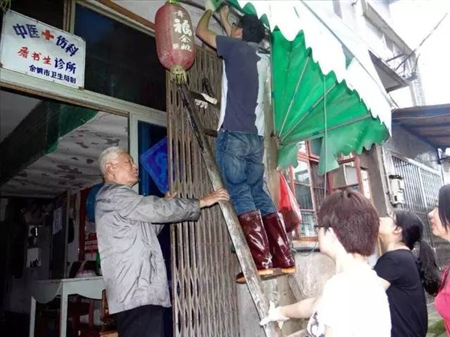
{"x":421,"y":195}
{"x":203,"y":268}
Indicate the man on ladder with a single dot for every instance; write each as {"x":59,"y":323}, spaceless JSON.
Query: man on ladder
{"x":240,"y":141}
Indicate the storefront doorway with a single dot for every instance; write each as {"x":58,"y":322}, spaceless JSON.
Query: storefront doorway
{"x":52,"y":135}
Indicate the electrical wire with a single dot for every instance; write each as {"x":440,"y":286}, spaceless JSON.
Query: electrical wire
{"x":423,"y":41}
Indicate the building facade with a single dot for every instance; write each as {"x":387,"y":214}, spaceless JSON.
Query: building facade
{"x":127,"y":101}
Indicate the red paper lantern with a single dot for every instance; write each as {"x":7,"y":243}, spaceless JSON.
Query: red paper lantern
{"x":174,"y":39}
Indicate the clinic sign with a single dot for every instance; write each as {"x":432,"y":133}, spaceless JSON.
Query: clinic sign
{"x":36,"y":49}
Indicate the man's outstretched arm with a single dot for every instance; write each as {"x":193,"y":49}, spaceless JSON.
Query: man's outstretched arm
{"x":203,"y":31}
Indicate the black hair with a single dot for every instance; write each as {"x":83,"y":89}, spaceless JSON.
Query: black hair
{"x":252,"y":28}
{"x":444,"y":206}
{"x":412,"y":232}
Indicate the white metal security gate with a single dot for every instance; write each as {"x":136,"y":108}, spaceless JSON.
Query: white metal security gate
{"x":203,"y":268}
{"x":421,"y":195}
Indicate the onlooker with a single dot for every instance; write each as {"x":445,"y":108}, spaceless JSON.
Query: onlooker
{"x":240,"y":142}
{"x":353,"y":302}
{"x":131,"y":259}
{"x":404,"y":277}
{"x":440,"y":224}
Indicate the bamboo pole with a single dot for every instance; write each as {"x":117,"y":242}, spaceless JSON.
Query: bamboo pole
{"x":237,"y":236}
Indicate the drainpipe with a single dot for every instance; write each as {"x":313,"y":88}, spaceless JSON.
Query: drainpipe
{"x":381,"y":153}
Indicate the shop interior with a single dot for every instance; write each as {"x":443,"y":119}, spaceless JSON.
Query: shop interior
{"x":49,"y":177}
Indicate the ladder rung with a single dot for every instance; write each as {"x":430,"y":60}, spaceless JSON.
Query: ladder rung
{"x":210,"y":132}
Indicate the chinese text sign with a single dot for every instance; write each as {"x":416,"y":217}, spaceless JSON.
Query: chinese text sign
{"x":34,"y":48}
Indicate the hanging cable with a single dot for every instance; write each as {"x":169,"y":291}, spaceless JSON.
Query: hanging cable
{"x":423,"y":41}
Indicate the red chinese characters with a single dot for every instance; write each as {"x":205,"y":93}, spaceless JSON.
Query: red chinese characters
{"x":23,"y":52}
{"x":174,"y":40}
{"x":47,"y":60}
{"x":36,"y":56}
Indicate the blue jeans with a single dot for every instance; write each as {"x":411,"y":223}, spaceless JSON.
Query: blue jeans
{"x":239,"y":156}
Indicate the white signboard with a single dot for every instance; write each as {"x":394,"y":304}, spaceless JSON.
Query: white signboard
{"x":34,"y":48}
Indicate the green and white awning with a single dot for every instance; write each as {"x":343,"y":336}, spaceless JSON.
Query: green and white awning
{"x":325,"y":85}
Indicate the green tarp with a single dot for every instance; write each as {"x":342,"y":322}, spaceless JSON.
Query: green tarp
{"x":324,"y":83}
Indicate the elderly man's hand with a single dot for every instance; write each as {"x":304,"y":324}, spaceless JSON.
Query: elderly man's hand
{"x":170,"y":195}
{"x":211,"y":199}
{"x":174,"y":193}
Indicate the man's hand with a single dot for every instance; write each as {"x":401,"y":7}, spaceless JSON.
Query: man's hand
{"x":224,"y":12}
{"x":213,"y":198}
{"x":224,"y":19}
{"x":212,"y":5}
{"x":170,"y":195}
{"x":174,"y":193}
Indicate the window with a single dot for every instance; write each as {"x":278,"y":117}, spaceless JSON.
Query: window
{"x":366,"y":183}
{"x":120,"y":61}
{"x":310,"y":188}
{"x":304,"y":194}
{"x":50,"y":12}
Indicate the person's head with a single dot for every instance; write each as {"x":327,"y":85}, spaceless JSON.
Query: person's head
{"x":117,"y":166}
{"x":348,"y":220}
{"x":406,"y":227}
{"x":249,"y":28}
{"x":440,"y":215}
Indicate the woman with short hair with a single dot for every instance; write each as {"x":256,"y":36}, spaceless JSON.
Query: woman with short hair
{"x":353,"y":301}
{"x":405,"y":276}
{"x":440,"y":223}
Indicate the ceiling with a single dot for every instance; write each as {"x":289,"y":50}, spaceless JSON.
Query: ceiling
{"x":74,"y":164}
{"x":13,"y":109}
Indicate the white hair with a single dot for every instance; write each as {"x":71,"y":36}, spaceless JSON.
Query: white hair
{"x":107,"y":156}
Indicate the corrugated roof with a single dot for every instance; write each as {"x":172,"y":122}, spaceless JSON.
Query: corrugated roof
{"x":431,"y":123}
{"x":74,"y":163}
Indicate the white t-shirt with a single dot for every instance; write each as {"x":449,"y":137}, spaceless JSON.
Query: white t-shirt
{"x":353,"y":304}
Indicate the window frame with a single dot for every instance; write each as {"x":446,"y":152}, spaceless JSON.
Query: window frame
{"x":305,"y":155}
{"x":292,"y":184}
{"x":113,"y":11}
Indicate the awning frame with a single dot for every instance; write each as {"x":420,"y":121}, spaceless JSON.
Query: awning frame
{"x":422,"y":122}
{"x":352,"y":110}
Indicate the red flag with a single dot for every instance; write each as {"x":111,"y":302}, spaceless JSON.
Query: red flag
{"x":288,"y":206}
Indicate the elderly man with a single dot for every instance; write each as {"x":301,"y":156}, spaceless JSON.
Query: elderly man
{"x":132,"y":262}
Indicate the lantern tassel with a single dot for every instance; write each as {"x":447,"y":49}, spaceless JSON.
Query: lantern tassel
{"x":178,"y":74}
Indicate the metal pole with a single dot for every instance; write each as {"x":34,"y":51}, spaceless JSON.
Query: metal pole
{"x":237,"y":236}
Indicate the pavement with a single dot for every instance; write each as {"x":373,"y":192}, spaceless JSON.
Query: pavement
{"x":433,"y":318}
